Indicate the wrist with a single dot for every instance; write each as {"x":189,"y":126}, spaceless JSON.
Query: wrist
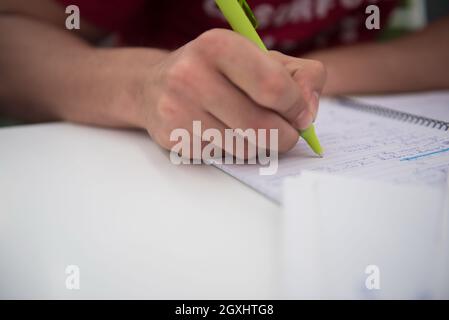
{"x":124,"y":82}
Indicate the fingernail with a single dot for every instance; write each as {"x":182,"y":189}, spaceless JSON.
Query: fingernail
{"x":307,"y":116}
{"x":314,"y":104}
{"x":304,"y":120}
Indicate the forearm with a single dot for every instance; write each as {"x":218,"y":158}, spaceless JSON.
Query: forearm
{"x":413,"y":63}
{"x":50,"y":74}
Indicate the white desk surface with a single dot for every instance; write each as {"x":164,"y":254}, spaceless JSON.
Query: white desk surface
{"x":112,"y":203}
{"x":137,"y":226}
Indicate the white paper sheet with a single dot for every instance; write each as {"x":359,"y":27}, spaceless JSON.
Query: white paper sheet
{"x":359,"y":144}
{"x":338,"y":231}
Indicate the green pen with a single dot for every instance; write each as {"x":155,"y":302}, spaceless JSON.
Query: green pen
{"x":242,"y":20}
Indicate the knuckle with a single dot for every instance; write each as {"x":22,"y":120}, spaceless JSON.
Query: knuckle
{"x":212,"y":42}
{"x":311,"y":70}
{"x":179,"y":74}
{"x":320,"y":69}
{"x":168,"y":109}
{"x":317,"y":65}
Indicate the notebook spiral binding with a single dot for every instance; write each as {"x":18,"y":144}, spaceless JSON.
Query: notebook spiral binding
{"x":398,"y":115}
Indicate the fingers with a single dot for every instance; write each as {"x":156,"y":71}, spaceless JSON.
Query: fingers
{"x":208,"y":97}
{"x":225,"y":81}
{"x":289,"y":86}
{"x":310,"y":78}
{"x":237,"y":110}
{"x":195,"y":127}
{"x":266,"y":81}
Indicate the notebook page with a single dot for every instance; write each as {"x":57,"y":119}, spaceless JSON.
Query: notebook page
{"x":359,"y":144}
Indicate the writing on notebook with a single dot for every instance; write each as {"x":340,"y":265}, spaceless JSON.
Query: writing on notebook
{"x":362,"y":145}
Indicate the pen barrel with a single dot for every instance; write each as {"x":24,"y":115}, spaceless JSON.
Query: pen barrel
{"x":239,"y":21}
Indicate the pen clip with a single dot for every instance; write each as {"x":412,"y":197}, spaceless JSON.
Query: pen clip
{"x":249,"y":13}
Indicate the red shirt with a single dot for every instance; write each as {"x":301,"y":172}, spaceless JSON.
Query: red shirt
{"x":292,"y":26}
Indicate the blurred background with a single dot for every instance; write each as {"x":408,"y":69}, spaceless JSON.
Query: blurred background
{"x":437,"y":8}
{"x":415,"y":14}
{"x":412,"y":15}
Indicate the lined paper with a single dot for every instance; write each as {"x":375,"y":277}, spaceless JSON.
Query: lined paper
{"x":363,"y":145}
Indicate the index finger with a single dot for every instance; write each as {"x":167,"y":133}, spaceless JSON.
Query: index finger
{"x":266,"y":81}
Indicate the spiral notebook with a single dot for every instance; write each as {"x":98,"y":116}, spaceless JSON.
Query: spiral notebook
{"x":365,"y":141}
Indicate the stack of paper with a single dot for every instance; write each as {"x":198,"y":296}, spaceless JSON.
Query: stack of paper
{"x":352,"y":239}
